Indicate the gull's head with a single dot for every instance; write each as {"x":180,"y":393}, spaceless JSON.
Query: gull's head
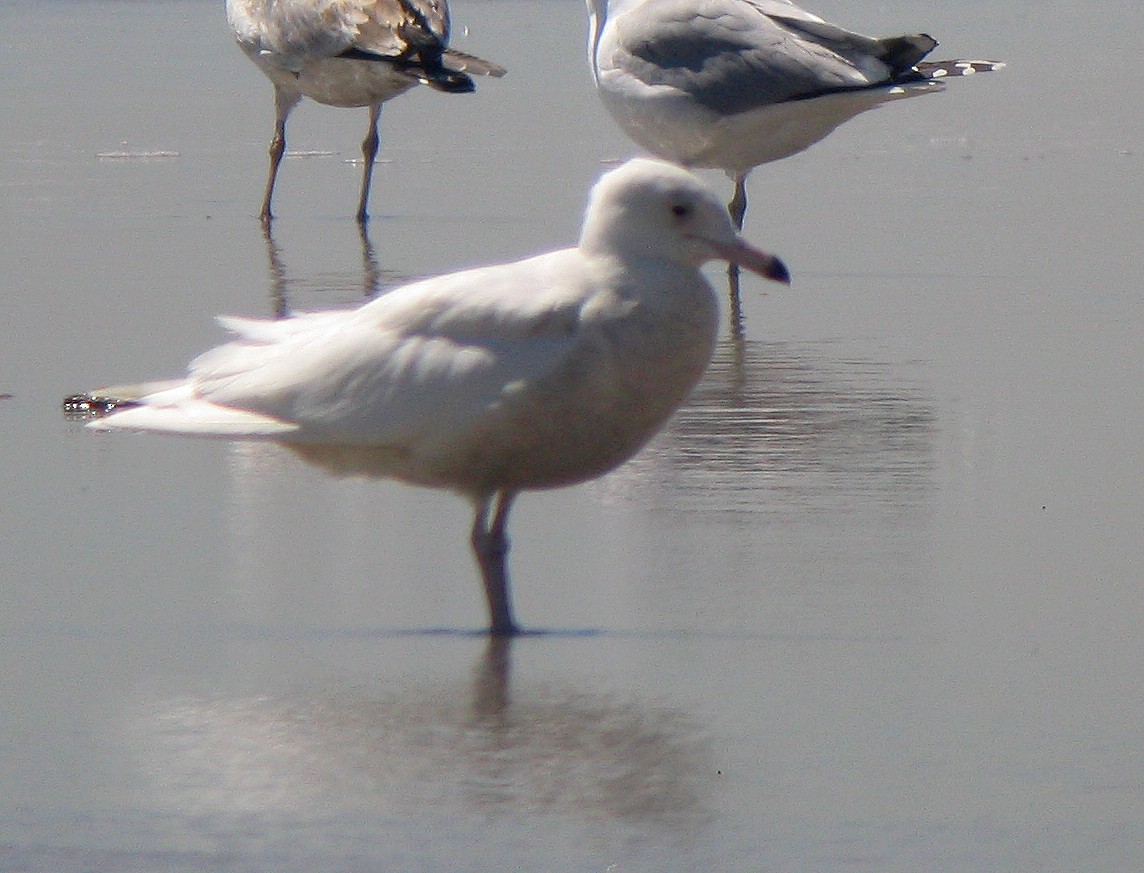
{"x":650,"y":209}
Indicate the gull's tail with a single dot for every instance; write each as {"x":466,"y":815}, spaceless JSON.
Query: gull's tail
{"x":169,"y":407}
{"x":950,"y":69}
{"x":104,"y":401}
{"x":462,"y":62}
{"x":449,"y":72}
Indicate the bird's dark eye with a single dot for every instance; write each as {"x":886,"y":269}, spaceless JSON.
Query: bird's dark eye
{"x":680,"y":210}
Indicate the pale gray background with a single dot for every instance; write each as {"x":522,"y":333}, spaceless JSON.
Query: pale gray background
{"x":872,"y":603}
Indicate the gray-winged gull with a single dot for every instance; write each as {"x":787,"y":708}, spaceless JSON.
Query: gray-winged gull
{"x":732,"y":84}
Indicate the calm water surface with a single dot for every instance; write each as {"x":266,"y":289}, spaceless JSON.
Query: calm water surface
{"x":870,"y":603}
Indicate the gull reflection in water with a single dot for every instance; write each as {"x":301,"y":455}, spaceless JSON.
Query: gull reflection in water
{"x":450,"y":748}
{"x":348,"y":287}
{"x":775,"y":432}
{"x":775,"y":428}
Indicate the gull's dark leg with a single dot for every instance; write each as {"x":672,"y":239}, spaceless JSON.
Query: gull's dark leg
{"x":369,"y":147}
{"x":738,"y":205}
{"x":284,"y":101}
{"x":490,"y":545}
{"x":738,"y":209}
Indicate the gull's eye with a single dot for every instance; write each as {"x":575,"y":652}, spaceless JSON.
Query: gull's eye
{"x":680,"y":210}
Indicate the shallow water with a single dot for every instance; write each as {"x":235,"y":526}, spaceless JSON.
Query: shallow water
{"x":870,"y":603}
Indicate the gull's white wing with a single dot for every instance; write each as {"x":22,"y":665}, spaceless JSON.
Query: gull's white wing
{"x":428,"y":362}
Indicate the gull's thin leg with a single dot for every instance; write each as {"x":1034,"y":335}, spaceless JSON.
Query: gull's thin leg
{"x":738,"y":205}
{"x":369,"y":155}
{"x":738,"y":209}
{"x":490,"y":545}
{"x":284,"y":101}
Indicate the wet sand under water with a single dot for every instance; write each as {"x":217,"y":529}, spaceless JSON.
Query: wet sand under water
{"x":871,"y":602}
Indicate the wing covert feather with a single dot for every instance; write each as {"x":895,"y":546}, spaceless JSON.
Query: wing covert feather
{"x":430,"y":358}
{"x":732,"y":55}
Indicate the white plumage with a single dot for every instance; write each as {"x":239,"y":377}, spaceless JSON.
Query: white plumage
{"x":535,"y":374}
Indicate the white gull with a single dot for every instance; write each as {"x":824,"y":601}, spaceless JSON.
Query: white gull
{"x":349,"y":53}
{"x":536,"y":374}
{"x":732,"y":84}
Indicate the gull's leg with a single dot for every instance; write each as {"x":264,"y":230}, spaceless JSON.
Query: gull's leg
{"x":284,"y":101}
{"x":738,"y":209}
{"x":738,"y":205}
{"x":490,"y":545}
{"x":369,"y":154}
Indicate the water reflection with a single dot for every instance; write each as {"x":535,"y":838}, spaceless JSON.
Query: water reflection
{"x":285,"y":287}
{"x":405,"y":750}
{"x":735,"y":311}
{"x":774,"y":427}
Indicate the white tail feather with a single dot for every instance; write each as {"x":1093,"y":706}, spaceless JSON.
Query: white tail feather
{"x":952,"y":69}
{"x":195,"y":418}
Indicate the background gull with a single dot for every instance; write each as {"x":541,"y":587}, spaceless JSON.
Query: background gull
{"x":536,"y":374}
{"x":349,"y":53}
{"x":732,"y":84}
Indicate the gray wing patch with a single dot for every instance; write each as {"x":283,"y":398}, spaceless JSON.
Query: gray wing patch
{"x":735,"y":62}
{"x":728,"y":70}
{"x":899,"y":53}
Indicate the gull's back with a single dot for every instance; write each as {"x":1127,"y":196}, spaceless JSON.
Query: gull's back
{"x":341,"y":52}
{"x":736,"y":83}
